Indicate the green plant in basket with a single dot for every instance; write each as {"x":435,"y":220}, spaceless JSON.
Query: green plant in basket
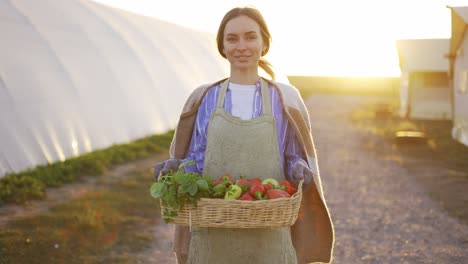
{"x":177,"y":189}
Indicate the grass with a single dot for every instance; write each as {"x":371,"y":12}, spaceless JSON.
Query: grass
{"x":362,"y":86}
{"x":381,"y":119}
{"x":98,"y":227}
{"x":445,"y":158}
{"x":32,"y":184}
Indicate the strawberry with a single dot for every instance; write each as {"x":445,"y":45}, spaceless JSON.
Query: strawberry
{"x":256,"y":180}
{"x":246,"y":197}
{"x":288,"y":187}
{"x":257,"y":190}
{"x":243,"y":183}
{"x":269,"y":186}
{"x":277,"y":193}
{"x":225,"y":179}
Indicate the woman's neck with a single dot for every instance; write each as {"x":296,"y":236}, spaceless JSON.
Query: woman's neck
{"x":244,"y":77}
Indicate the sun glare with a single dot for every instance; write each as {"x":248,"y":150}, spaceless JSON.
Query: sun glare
{"x":330,"y":38}
{"x":354,"y":38}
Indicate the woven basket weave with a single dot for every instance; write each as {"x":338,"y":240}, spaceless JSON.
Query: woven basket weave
{"x":274,"y":213}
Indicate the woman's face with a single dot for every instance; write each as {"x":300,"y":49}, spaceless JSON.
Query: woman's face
{"x":243,"y":43}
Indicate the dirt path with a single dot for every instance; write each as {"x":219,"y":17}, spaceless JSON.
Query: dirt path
{"x":381,"y":214}
{"x":67,"y":192}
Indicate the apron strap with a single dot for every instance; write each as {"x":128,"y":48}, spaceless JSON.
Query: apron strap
{"x":266,"y":103}
{"x":222,"y":94}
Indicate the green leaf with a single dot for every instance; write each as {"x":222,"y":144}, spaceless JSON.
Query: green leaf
{"x":181,"y":178}
{"x":157,"y":189}
{"x":183,"y":188}
{"x":193,"y":188}
{"x":202,"y":184}
{"x":219,"y":190}
{"x":208,"y":179}
{"x":184,"y":164}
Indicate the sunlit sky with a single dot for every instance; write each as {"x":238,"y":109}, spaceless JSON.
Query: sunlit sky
{"x":319,"y":37}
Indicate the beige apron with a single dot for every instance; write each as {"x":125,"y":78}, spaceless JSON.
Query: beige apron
{"x":248,"y":148}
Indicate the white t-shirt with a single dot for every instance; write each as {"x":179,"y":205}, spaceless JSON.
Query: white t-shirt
{"x":242,"y":98}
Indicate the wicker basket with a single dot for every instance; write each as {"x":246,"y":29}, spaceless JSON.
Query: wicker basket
{"x":274,"y":213}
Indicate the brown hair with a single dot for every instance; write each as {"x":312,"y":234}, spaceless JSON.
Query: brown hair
{"x":255,"y":15}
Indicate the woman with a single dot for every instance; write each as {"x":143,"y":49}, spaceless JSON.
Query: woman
{"x":246,"y":125}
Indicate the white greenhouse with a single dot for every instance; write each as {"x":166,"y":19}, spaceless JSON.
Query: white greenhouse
{"x":424,"y":88}
{"x":459,"y":70}
{"x":76,"y":76}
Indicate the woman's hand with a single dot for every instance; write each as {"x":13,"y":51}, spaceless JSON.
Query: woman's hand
{"x":302,"y":171}
{"x":165,"y":167}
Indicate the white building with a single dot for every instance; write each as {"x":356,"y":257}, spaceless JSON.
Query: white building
{"x":424,"y":90}
{"x":459,"y":70}
{"x":76,"y":76}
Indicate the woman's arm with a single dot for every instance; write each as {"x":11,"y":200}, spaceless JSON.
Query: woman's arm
{"x":294,"y":154}
{"x":197,"y":147}
{"x":289,"y":145}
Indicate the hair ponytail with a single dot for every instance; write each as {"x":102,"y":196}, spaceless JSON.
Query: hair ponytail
{"x":267,"y":67}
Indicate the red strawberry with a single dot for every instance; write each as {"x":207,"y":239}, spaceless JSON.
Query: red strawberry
{"x":246,"y":197}
{"x":277,"y":193}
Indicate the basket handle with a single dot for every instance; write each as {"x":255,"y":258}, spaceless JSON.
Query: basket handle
{"x":299,"y":186}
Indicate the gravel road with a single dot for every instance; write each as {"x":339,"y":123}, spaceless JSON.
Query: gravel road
{"x":380,"y":214}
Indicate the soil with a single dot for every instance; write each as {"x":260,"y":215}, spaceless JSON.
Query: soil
{"x":386,"y":205}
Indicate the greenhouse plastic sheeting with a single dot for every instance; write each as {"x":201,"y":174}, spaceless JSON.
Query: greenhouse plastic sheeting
{"x":76,"y":76}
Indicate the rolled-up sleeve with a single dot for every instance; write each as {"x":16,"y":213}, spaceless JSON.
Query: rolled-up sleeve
{"x":288,"y":142}
{"x":197,"y":147}
{"x":294,"y":151}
